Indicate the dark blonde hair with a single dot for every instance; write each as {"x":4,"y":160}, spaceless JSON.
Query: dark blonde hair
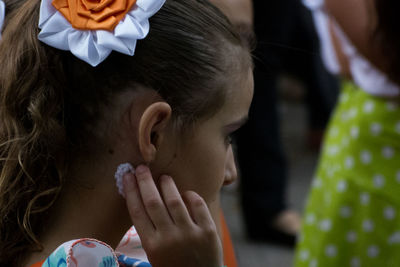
{"x":50,"y":100}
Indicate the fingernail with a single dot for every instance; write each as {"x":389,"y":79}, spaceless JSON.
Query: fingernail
{"x":165,"y":177}
{"x":128,"y":181}
{"x":141,"y":169}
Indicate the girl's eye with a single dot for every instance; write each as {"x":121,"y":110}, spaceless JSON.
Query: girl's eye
{"x":229,"y":139}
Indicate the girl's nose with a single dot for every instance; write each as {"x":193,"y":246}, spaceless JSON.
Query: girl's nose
{"x":230,"y":168}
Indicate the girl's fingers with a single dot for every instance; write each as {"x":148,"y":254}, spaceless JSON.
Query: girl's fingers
{"x":173,"y":200}
{"x":151,"y":198}
{"x":136,"y":209}
{"x":198,"y":209}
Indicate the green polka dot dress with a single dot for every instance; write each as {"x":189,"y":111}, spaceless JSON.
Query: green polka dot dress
{"x":352,"y":216}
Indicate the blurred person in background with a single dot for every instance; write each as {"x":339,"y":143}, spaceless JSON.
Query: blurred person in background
{"x":352,"y":215}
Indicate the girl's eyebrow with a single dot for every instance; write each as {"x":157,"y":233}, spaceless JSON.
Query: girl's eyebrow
{"x":237,"y":124}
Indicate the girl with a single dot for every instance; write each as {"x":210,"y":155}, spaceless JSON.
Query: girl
{"x":66,"y":126}
{"x":352,"y":215}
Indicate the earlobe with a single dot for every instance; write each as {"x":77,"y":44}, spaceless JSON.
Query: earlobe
{"x":152,"y":125}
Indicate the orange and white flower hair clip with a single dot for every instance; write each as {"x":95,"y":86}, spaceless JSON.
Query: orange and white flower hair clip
{"x":91,"y":29}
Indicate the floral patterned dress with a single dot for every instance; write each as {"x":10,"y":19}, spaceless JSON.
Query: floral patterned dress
{"x":91,"y":252}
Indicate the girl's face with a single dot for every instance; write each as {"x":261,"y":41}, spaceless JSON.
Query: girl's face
{"x":203,"y":161}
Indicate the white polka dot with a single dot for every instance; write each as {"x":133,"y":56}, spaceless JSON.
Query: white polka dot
{"x":304,"y":254}
{"x":354,"y":132}
{"x":334,"y":132}
{"x":365,"y":157}
{"x":313,"y":263}
{"x":387,"y":152}
{"x":352,"y":113}
{"x":336,"y":167}
{"x":398,"y":127}
{"x":368,"y":225}
{"x":331,"y":251}
{"x":369,"y":107}
{"x":391,"y":106}
{"x":349,"y":162}
{"x":364,"y":198}
{"x":375,"y":128}
{"x":333,"y":150}
{"x":389,"y":213}
{"x":330,"y":172}
{"x":341,"y":186}
{"x":345,"y":211}
{"x":394,"y":238}
{"x":325,"y":225}
{"x":398,"y":176}
{"x":373,"y":251}
{"x":317,"y":182}
{"x":355,"y":262}
{"x":345,"y":141}
{"x":351,"y":236}
{"x":328,"y":198}
{"x":344,"y":116}
{"x":344,"y":98}
{"x":379,"y":181}
{"x":310,"y":218}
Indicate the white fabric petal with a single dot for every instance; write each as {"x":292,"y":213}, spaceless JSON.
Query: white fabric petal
{"x":151,"y":7}
{"x":108,"y":40}
{"x":313,"y":4}
{"x":130,"y":44}
{"x":83,"y":46}
{"x":94,"y":46}
{"x":55,"y":24}
{"x":2,"y":15}
{"x":132,"y":29}
{"x":46,"y":11}
{"x":55,"y":32}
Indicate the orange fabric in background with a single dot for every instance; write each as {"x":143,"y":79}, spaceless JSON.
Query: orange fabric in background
{"x":229,"y":252}
{"x":39,"y":264}
{"x":94,"y":14}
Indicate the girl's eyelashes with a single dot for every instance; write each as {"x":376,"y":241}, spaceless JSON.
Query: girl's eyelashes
{"x":229,"y":139}
{"x":232,"y":128}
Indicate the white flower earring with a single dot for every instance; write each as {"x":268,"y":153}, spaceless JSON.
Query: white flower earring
{"x":119,"y":174}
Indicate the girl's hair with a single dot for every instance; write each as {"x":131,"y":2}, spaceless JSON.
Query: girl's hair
{"x":51,"y":102}
{"x":388,"y":35}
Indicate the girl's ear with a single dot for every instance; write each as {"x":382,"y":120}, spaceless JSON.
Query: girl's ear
{"x":152,"y":125}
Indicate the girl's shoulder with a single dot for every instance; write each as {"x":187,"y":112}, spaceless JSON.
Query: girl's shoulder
{"x":92,"y":252}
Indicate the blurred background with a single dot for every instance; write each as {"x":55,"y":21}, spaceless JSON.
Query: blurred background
{"x":304,"y":51}
{"x":302,"y":160}
{"x":277,"y":149}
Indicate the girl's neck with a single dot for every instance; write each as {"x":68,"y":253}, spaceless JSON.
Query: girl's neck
{"x":93,"y":210}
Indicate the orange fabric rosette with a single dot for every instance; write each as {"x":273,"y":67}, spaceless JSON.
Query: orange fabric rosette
{"x":94,"y":14}
{"x":92,"y":29}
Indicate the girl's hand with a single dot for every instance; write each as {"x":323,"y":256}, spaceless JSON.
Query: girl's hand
{"x":175,"y":230}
